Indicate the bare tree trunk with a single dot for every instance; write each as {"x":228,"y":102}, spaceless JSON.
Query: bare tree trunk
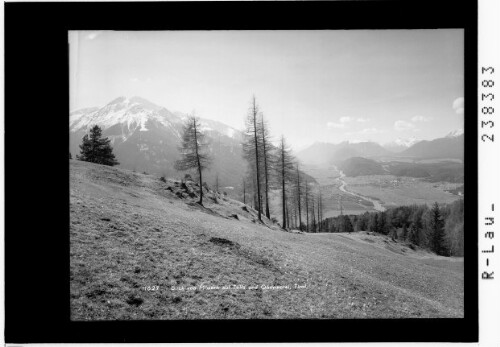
{"x":198,"y":160}
{"x":319,"y":216}
{"x":256,"y":157}
{"x":321,"y":211}
{"x":294,"y":217}
{"x":266,"y":173}
{"x":298,"y":197}
{"x":287,"y":214}
{"x":307,"y":208}
{"x":244,"y":193}
{"x":283,"y":182}
{"x":313,"y":216}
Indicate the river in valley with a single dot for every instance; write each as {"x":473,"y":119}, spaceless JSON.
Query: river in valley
{"x":376,"y":204}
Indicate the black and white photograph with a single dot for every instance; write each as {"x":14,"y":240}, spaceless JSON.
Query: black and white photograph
{"x":266,"y":174}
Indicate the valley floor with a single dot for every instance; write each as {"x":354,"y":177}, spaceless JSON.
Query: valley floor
{"x":375,"y":192}
{"x":130,"y":231}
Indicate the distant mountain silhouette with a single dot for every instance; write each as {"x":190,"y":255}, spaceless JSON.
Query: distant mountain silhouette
{"x":446,"y":147}
{"x":449,"y":147}
{"x":358,"y":166}
{"x":327,"y":153}
{"x":400,"y":144}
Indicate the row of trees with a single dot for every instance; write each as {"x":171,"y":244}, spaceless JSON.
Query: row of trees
{"x":439,"y":228}
{"x":273,"y":167}
{"x":270,"y":168}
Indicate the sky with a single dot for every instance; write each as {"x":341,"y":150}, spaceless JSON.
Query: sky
{"x":312,"y":86}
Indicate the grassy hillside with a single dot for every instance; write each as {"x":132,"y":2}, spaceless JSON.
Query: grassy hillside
{"x":129,"y":231}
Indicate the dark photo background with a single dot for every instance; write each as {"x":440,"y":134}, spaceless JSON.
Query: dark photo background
{"x":37,"y":181}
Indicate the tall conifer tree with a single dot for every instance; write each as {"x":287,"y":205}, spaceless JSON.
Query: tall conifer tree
{"x":284,"y":170}
{"x":96,"y":149}
{"x":193,"y":151}
{"x":437,"y":227}
{"x":266,"y":157}
{"x":252,"y":148}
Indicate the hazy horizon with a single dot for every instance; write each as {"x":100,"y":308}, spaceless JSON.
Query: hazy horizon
{"x":312,"y":86}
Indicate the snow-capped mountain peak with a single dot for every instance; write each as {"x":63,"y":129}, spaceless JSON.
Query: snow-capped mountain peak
{"x":406,"y":142}
{"x":400,"y":144}
{"x":132,"y":112}
{"x":455,"y":133}
{"x":146,"y":137}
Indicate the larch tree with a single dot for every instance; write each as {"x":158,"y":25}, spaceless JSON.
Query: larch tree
{"x":255,"y":191}
{"x":193,"y":151}
{"x":320,"y":211}
{"x":299,"y":196}
{"x":306,"y":186}
{"x":295,"y":214}
{"x":284,"y":171}
{"x":313,"y":214}
{"x":244,"y":193}
{"x":287,"y":209}
{"x":96,"y":149}
{"x":266,"y":158}
{"x":251,"y":148}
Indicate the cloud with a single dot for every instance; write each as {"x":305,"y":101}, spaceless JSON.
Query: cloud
{"x":333,"y":125}
{"x":341,"y":125}
{"x":458,"y":105}
{"x":362,"y":120}
{"x":142,"y":80}
{"x":93,"y":35}
{"x":366,"y":131}
{"x":401,"y":125}
{"x":370,"y":131}
{"x":420,"y":119}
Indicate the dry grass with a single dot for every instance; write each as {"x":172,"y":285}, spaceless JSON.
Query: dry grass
{"x":129,"y":231}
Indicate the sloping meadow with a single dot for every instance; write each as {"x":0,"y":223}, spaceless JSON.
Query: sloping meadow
{"x":141,"y":248}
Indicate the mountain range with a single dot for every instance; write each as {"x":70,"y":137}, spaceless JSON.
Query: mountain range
{"x":145,"y":137}
{"x":399,"y":145}
{"x":439,"y":171}
{"x":449,"y":147}
{"x":321,"y":152}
